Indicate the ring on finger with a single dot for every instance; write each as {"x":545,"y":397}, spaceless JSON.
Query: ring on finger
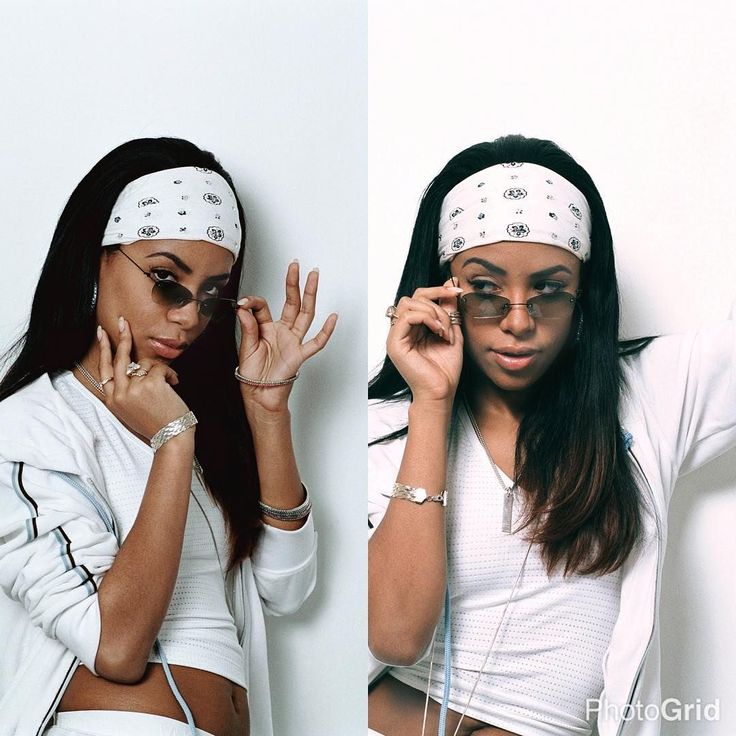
{"x":455,"y":318}
{"x":391,"y":314}
{"x":135,"y":369}
{"x":106,"y":380}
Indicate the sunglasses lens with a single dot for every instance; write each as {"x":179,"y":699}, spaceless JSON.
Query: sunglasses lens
{"x":215,"y":309}
{"x":484,"y":306}
{"x":551,"y":306}
{"x":170,"y":293}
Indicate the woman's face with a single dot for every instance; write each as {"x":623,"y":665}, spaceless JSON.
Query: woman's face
{"x":160,"y":332}
{"x":518,"y":271}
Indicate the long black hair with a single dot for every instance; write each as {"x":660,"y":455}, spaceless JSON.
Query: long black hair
{"x":571,"y":460}
{"x":62,"y":327}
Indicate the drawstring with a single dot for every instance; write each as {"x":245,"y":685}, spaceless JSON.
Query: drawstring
{"x":174,"y":689}
{"x":448,"y":665}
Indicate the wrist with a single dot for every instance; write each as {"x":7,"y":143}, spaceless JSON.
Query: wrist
{"x":276,"y":415}
{"x":431,"y":409}
{"x":180,"y":446}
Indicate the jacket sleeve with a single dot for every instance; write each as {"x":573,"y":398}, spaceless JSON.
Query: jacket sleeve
{"x":54,"y":551}
{"x":384,"y":458}
{"x":688,"y":381}
{"x":285,"y":567}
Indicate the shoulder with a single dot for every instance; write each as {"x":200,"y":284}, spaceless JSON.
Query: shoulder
{"x":38,"y":427}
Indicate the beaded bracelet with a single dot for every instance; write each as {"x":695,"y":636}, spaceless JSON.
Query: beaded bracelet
{"x":265,"y":384}
{"x":295,"y":514}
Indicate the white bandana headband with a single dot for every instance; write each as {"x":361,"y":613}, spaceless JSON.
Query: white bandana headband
{"x":186,"y":203}
{"x":514,"y":201}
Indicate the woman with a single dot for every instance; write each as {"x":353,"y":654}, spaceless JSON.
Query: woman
{"x":150,"y":503}
{"x":522,"y":462}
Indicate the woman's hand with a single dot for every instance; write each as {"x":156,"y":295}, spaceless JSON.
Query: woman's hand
{"x":146,"y":403}
{"x":425,"y":347}
{"x":273,"y":351}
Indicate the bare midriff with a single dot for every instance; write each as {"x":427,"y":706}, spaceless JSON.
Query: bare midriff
{"x":218,"y":705}
{"x":395,"y":709}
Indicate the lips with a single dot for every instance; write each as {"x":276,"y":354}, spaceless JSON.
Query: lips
{"x":166,"y":348}
{"x":514,"y":358}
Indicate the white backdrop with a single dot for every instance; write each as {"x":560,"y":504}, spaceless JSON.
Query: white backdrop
{"x":278,"y":92}
{"x":643,"y":96}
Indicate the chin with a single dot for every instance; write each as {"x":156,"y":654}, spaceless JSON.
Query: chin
{"x":505,"y":381}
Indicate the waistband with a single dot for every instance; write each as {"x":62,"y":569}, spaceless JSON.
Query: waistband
{"x":116,"y":722}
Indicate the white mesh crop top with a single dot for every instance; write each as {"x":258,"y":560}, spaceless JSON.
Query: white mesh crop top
{"x":548,"y":654}
{"x":198,"y":630}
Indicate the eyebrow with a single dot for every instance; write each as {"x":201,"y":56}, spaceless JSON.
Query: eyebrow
{"x":183,"y":266}
{"x":493,"y":268}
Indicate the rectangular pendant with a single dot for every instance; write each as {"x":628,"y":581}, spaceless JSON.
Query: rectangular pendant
{"x":508,"y":507}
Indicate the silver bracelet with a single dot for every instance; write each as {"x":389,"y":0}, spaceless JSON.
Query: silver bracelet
{"x":295,"y":514}
{"x":415,"y":494}
{"x":172,"y":429}
{"x":265,"y":384}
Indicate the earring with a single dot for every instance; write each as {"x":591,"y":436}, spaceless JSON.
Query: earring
{"x":580,"y":330}
{"x":94,"y":299}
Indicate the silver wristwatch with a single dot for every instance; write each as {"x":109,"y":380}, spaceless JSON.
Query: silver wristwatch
{"x":415,"y":494}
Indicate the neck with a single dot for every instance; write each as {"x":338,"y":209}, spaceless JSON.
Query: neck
{"x":488,"y":400}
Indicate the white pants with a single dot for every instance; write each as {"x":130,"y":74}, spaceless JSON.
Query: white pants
{"x":116,"y":723}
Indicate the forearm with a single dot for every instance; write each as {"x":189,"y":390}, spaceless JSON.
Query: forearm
{"x":135,"y":593}
{"x":406,"y":554}
{"x":278,"y":474}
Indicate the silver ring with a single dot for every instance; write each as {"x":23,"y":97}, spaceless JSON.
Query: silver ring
{"x":455,"y":318}
{"x":391,"y":314}
{"x":135,"y":369}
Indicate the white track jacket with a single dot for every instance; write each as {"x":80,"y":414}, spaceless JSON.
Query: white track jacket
{"x":57,"y":540}
{"x":680,"y":407}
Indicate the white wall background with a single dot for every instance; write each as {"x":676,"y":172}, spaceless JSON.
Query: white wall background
{"x":277,"y":91}
{"x":643,"y":96}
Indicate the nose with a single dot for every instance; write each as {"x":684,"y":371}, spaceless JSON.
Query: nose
{"x":518,"y":321}
{"x":186,"y":315}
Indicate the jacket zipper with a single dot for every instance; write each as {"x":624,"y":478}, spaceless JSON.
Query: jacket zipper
{"x":656,"y":595}
{"x":110,"y":525}
{"x":92,"y":498}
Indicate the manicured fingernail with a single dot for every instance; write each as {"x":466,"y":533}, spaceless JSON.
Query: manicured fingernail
{"x":243,"y":301}
{"x":454,"y":289}
{"x":121,"y":324}
{"x":99,"y":332}
{"x":295,"y":260}
{"x":315,"y":269}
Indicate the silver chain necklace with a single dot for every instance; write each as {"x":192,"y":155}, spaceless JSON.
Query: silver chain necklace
{"x":89,"y":378}
{"x":508,"y":500}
